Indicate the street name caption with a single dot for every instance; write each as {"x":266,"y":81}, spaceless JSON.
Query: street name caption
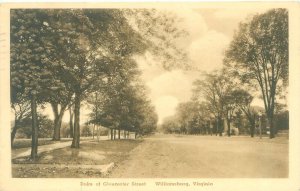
{"x":141,"y":184}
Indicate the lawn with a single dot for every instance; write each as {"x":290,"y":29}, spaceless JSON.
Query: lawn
{"x":61,"y":162}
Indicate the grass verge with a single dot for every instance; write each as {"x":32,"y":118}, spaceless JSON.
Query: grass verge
{"x":89,"y":153}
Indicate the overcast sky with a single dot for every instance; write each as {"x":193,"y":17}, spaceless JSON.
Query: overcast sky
{"x":210,"y":32}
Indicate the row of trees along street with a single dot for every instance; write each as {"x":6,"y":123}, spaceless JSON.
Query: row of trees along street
{"x":73,"y":56}
{"x":255,"y":61}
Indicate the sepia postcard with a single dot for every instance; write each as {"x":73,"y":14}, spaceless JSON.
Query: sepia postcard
{"x":150,"y":96}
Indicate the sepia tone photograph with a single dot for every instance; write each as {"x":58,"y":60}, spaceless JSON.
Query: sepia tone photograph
{"x":149,"y":92}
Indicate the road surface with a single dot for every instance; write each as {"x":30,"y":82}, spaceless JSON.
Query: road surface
{"x":171,"y":156}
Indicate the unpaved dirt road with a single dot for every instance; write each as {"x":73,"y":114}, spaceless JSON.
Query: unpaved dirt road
{"x":170,"y":156}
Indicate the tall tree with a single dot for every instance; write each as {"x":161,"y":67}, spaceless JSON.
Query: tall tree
{"x":149,"y":123}
{"x":243,"y":100}
{"x":259,"y":55}
{"x":72,"y":49}
{"x":187,"y":113}
{"x":83,"y":46}
{"x":230,"y":107}
{"x":60,"y":101}
{"x":214,"y":88}
{"x":21,"y":109}
{"x":71,"y":123}
{"x":29,"y":76}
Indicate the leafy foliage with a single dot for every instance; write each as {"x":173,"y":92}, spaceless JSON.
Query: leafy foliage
{"x":259,"y":55}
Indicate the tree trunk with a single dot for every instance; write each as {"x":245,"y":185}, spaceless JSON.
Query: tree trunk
{"x":96,"y":117}
{"x":71,"y":125}
{"x":111,"y":134}
{"x":55,"y":124}
{"x":228,"y":126}
{"x":271,"y":125}
{"x":13,"y":134}
{"x":57,"y":127}
{"x":114,"y":134}
{"x":220,"y":126}
{"x":127,"y":134}
{"x":58,"y":115}
{"x":124,"y":134}
{"x":119,"y":134}
{"x":98,"y":133}
{"x":76,"y":136}
{"x":93,"y":130}
{"x":252,"y":127}
{"x":135,"y":135}
{"x":217,"y":127}
{"x":35,"y":130}
{"x":271,"y":111}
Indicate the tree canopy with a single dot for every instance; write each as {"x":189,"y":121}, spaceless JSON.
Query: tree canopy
{"x":61,"y":56}
{"x":258,"y":54}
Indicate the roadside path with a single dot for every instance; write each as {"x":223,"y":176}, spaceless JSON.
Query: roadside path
{"x":23,"y":152}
